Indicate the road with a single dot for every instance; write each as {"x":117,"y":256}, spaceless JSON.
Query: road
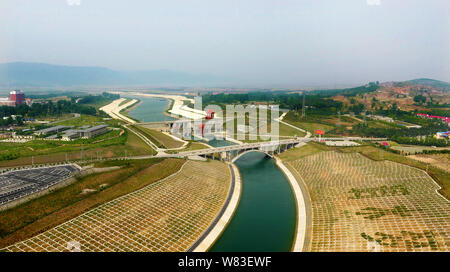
{"x":280,"y":120}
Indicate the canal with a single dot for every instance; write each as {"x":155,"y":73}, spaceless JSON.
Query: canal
{"x":150,"y":110}
{"x":265,"y":218}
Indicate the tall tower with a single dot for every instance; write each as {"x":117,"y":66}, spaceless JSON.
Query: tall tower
{"x":17,"y":96}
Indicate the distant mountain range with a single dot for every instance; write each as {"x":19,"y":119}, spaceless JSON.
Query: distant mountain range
{"x":17,"y":74}
{"x":29,"y":74}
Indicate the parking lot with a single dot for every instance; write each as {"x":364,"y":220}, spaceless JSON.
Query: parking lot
{"x":21,"y":183}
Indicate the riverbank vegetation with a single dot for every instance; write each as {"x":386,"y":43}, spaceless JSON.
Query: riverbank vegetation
{"x":163,"y":139}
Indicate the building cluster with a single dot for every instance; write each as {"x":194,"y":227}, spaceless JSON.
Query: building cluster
{"x":382,"y":118}
{"x":15,"y":98}
{"x":85,"y":133}
{"x":443,"y":118}
{"x":69,"y":133}
{"x":391,"y":120}
{"x":442,"y":135}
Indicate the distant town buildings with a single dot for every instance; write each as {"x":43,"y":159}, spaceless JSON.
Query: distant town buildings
{"x":442,"y":135}
{"x":69,"y":133}
{"x":4,"y":101}
{"x":16,"y":98}
{"x":443,"y":118}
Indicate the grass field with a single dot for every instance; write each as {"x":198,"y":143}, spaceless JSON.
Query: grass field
{"x":40,"y":214}
{"x":286,"y":130}
{"x":163,"y":139}
{"x":413,"y":149}
{"x":192,"y":145}
{"x":306,"y":124}
{"x":88,"y":120}
{"x":364,"y":205}
{"x":440,"y":176}
{"x":100,"y":104}
{"x":125,"y":111}
{"x":300,"y":152}
{"x":136,"y":145}
{"x":124,"y":102}
{"x":148,"y":134}
{"x":381,"y":124}
{"x":311,"y":127}
{"x":109,"y":145}
{"x":441,"y":161}
{"x":168,"y":215}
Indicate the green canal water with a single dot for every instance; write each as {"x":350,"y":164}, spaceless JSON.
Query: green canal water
{"x":265,"y":218}
{"x":219,"y":143}
{"x":266,"y":215}
{"x":151,"y":110}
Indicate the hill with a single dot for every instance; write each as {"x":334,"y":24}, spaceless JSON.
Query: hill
{"x":418,"y":94}
{"x":428,"y":82}
{"x":19,"y":74}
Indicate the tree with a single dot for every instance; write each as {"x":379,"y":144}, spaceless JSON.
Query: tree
{"x":420,"y":99}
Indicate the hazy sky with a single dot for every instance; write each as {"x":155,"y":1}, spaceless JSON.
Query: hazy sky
{"x":297,"y":43}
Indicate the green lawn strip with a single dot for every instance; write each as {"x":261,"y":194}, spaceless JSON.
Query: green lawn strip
{"x":303,"y":151}
{"x":147,"y":133}
{"x":124,"y":102}
{"x":164,"y":139}
{"x":125,"y":111}
{"x":192,"y":145}
{"x":137,"y":145}
{"x":308,"y":124}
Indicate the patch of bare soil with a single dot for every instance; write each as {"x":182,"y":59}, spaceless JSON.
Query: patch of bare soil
{"x":439,"y":160}
{"x":87,"y":191}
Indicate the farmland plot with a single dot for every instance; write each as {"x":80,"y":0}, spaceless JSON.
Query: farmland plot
{"x":168,"y":215}
{"x":362,"y":205}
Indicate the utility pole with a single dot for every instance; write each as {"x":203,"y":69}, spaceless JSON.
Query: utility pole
{"x":339,"y":119}
{"x":303,"y":107}
{"x":32,"y":160}
{"x":365,"y":108}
